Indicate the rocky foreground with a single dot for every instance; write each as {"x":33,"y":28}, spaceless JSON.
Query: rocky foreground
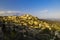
{"x":27,"y":27}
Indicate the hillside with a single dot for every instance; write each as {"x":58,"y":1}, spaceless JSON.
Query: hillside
{"x":29,"y":26}
{"x":31,"y":21}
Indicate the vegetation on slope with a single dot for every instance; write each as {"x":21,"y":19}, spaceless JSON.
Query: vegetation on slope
{"x":27,"y":27}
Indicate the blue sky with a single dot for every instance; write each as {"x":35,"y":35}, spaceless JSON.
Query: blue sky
{"x":39,"y":8}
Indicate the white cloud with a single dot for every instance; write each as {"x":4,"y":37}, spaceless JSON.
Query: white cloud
{"x":1,"y":12}
{"x":10,"y":13}
{"x":44,"y":11}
